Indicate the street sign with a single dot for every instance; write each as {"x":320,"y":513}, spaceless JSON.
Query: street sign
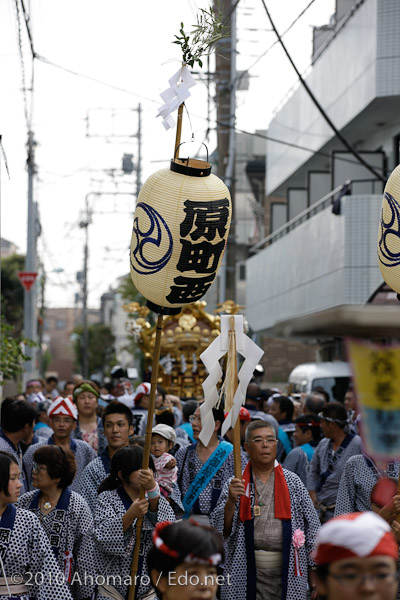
{"x":27,"y":279}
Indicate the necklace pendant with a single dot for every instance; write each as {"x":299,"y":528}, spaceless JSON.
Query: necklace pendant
{"x":47,"y":506}
{"x":257,"y":511}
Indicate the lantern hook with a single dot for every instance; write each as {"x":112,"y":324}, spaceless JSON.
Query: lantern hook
{"x":187,"y":159}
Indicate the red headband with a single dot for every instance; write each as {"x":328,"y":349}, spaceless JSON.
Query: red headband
{"x":159,"y":543}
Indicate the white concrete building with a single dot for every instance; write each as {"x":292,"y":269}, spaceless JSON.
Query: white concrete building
{"x":314,"y":260}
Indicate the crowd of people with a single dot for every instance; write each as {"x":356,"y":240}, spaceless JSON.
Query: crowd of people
{"x":308,"y":518}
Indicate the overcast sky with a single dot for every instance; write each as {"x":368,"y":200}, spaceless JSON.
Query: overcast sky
{"x":126,"y":44}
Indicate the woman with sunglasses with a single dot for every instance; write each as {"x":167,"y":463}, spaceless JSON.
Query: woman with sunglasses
{"x":64,"y":515}
{"x":28,"y":568}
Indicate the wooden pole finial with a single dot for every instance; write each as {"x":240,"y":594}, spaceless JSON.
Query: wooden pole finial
{"x":178,"y":131}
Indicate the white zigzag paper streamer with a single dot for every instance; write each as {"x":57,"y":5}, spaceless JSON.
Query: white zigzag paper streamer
{"x":210,"y":358}
{"x":173,"y":96}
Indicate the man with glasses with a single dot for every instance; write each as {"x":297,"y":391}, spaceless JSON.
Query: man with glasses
{"x":269,"y":523}
{"x":329,"y":459}
{"x":63,"y":418}
{"x":356,"y":556}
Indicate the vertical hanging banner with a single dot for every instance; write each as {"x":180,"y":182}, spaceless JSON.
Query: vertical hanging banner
{"x":210,"y":357}
{"x":376,"y":371}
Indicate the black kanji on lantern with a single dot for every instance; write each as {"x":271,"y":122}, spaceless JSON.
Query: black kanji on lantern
{"x":189,"y":289}
{"x":204,"y":219}
{"x":201,"y":258}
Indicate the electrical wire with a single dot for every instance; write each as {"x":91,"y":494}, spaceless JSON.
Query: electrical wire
{"x":299,"y":147}
{"x":278,"y":141}
{"x":26,"y":18}
{"x":99,"y":81}
{"x":22,"y":64}
{"x":243,"y":73}
{"x":338,"y":133}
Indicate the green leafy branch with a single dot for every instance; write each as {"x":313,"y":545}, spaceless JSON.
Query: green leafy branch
{"x":204,"y":35}
{"x":12,"y":355}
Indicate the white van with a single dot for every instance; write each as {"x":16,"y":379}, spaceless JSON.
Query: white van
{"x":334,"y":377}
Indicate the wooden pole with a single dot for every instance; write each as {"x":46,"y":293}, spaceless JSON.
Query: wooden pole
{"x":146,"y":452}
{"x":178,"y":130}
{"x":231,"y":387}
{"x":237,"y":444}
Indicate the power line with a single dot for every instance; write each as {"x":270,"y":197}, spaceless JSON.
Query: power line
{"x":278,"y":141}
{"x":242,"y":74}
{"x":99,"y":81}
{"x":22,"y":63}
{"x":341,"y":137}
{"x":26,"y":17}
{"x":299,"y":147}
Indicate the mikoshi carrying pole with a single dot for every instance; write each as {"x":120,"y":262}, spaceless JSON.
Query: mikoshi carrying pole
{"x":146,"y":452}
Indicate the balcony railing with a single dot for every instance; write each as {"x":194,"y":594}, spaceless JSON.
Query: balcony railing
{"x":298,"y":219}
{"x":315,"y":208}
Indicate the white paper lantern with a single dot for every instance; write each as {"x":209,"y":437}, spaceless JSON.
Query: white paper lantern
{"x":389,"y":232}
{"x":180,"y":230}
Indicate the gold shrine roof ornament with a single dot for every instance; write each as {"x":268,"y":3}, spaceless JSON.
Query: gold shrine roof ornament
{"x":184,"y":338}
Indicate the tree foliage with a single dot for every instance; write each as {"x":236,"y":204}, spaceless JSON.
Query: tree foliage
{"x":101,"y":350}
{"x":129,"y":292}
{"x":12,"y":292}
{"x":12,"y":355}
{"x":200,"y":41}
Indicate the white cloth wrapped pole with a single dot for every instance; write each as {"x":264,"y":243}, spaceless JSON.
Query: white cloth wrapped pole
{"x":210,"y":357}
{"x":173,"y":96}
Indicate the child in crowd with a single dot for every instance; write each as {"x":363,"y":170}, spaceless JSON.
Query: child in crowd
{"x":163,"y":438}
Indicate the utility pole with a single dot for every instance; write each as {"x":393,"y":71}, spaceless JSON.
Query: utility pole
{"x":225,"y":83}
{"x":30,"y":316}
{"x":137,"y":166}
{"x":42,"y":283}
{"x":84,"y":224}
{"x":85,"y":333}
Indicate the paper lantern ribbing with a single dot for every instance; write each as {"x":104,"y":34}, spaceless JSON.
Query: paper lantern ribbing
{"x":180,"y":229}
{"x":389,"y":232}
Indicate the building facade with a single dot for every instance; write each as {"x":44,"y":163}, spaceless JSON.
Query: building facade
{"x":323,"y":205}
